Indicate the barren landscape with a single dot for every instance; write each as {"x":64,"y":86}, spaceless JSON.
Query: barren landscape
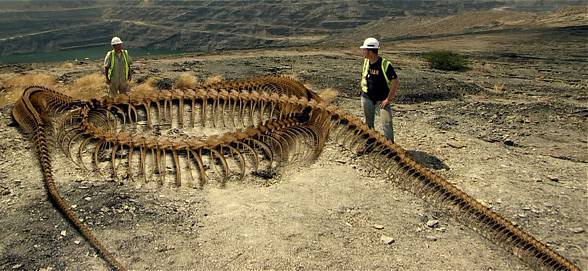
{"x":511,"y":131}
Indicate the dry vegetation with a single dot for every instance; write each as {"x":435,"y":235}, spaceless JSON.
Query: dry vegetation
{"x":186,"y":80}
{"x":213,"y":79}
{"x":329,"y":94}
{"x":67,"y":65}
{"x":15,"y":84}
{"x":87,"y":87}
{"x":145,"y":88}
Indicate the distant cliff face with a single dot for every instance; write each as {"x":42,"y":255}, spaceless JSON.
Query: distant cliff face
{"x":197,"y":25}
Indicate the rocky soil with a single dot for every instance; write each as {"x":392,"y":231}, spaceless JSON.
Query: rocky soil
{"x":510,"y":131}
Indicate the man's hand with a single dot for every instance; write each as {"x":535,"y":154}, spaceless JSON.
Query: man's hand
{"x":384,"y":103}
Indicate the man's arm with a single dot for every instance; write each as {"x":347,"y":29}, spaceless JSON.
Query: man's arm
{"x":106,"y":67}
{"x":130,"y":68}
{"x":392,"y":94}
{"x":393,"y":88}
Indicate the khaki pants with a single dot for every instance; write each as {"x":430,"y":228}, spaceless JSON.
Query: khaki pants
{"x":118,"y":87}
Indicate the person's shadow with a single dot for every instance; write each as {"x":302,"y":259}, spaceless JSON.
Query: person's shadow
{"x":427,"y":160}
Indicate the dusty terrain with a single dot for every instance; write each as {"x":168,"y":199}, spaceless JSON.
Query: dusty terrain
{"x":510,"y":131}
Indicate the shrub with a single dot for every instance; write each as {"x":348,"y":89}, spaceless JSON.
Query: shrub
{"x":145,"y":89}
{"x":329,"y":94}
{"x":213,"y":79}
{"x":186,"y":80}
{"x":446,"y":60}
{"x":88,"y":86}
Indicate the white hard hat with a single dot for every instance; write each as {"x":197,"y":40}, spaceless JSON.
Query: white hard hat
{"x":370,"y":43}
{"x":116,"y":40}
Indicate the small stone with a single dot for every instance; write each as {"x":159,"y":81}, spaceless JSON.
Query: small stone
{"x":341,"y":161}
{"x":577,"y":230}
{"x":378,"y":227}
{"x":63,"y":233}
{"x":74,"y":206}
{"x":36,"y":246}
{"x":104,"y":209}
{"x":522,"y":215}
{"x":387,"y":239}
{"x":87,"y":198}
{"x":441,"y":229}
{"x":431,"y":237}
{"x":348,"y":224}
{"x":433,"y":223}
{"x":77,"y":242}
{"x":455,"y":144}
{"x":526,"y":208}
{"x":553,"y":178}
{"x":17,"y":266}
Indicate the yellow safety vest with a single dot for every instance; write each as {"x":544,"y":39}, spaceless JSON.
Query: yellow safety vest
{"x":126,"y":59}
{"x":366,"y":67}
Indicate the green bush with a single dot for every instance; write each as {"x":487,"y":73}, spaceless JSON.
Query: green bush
{"x":446,"y":60}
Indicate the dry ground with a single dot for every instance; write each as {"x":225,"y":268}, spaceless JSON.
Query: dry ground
{"x":511,"y":132}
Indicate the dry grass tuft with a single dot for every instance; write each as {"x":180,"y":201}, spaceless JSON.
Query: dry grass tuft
{"x":67,"y":65}
{"x":13,"y":85}
{"x":40,"y":79}
{"x":499,"y":87}
{"x":213,"y":79}
{"x":186,"y":80}
{"x":144,"y":89}
{"x":88,"y":87}
{"x":329,"y":94}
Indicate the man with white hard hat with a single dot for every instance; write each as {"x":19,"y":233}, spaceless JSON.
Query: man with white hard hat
{"x":379,"y":84}
{"x":117,"y":68}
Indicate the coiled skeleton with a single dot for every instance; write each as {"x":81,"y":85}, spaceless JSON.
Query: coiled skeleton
{"x":270,"y":122}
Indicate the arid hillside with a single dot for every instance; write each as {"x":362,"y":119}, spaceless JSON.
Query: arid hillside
{"x":201,"y":26}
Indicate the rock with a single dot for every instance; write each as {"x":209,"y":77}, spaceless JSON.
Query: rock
{"x":431,"y":237}
{"x":387,"y":239}
{"x":378,"y":226}
{"x":77,"y":242}
{"x":508,"y":142}
{"x":17,"y":266}
{"x":63,"y":233}
{"x":340,"y":161}
{"x":87,"y":198}
{"x":104,"y":209}
{"x":553,"y":178}
{"x":455,"y":144}
{"x":164,"y":83}
{"x":433,"y":223}
{"x":577,"y":230}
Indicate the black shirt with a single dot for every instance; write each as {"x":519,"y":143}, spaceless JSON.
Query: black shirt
{"x":378,"y":90}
